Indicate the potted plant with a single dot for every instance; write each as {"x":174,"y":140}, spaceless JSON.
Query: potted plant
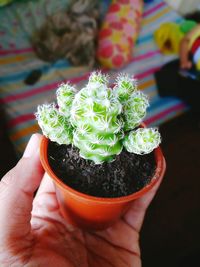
{"x":97,"y":151}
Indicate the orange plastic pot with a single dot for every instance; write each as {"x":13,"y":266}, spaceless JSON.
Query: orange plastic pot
{"x":95,"y":213}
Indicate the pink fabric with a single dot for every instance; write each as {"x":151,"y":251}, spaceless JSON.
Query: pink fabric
{"x":119,"y":32}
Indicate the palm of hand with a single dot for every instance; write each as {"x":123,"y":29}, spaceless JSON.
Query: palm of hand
{"x":52,"y":242}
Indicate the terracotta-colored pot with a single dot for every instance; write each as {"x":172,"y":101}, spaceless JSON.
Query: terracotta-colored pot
{"x":95,"y":213}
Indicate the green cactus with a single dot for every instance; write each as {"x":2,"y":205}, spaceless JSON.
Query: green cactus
{"x":54,"y":126}
{"x":124,"y":87}
{"x":142,"y":140}
{"x":98,"y":120}
{"x":65,"y":96}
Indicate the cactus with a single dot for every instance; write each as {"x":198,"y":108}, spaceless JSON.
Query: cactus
{"x":55,"y":126}
{"x":65,"y":96}
{"x":142,"y":141}
{"x":98,"y":120}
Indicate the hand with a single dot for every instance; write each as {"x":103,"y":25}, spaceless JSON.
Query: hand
{"x":43,"y":238}
{"x":186,"y":64}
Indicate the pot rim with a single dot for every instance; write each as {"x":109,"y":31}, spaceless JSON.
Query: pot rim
{"x":159,"y":173}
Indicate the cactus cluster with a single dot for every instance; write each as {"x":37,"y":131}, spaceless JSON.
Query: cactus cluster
{"x":98,"y":120}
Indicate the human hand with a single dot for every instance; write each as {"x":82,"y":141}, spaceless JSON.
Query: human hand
{"x":43,"y":238}
{"x":185,"y":64}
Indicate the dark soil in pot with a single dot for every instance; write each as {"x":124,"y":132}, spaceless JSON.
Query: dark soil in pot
{"x":127,"y":174}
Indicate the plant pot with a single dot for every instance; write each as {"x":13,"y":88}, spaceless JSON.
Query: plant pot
{"x":95,"y":213}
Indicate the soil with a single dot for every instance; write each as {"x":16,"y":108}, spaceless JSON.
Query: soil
{"x":128,"y":173}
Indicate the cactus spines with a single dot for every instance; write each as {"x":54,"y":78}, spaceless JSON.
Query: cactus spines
{"x":142,"y":140}
{"x":124,"y":87}
{"x":53,"y":124}
{"x":135,"y":110}
{"x":98,"y":78}
{"x":99,"y":121}
{"x":94,"y":114}
{"x":65,"y":96}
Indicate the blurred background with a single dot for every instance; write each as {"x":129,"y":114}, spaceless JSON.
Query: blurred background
{"x":45,"y":42}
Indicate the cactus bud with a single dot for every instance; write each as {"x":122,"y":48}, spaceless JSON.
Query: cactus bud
{"x":142,"y":140}
{"x":53,"y":125}
{"x":124,"y":87}
{"x":135,"y":110}
{"x":65,"y":96}
{"x":98,"y":78}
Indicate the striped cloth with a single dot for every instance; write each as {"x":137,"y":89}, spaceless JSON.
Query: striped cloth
{"x":17,"y":60}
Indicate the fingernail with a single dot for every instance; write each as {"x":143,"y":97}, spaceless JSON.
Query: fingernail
{"x":32,"y":146}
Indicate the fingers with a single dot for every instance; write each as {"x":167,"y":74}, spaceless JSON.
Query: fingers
{"x":45,"y":200}
{"x":46,"y":207}
{"x":186,"y":64}
{"x":16,"y":192}
{"x":135,"y":215}
{"x":46,"y":186}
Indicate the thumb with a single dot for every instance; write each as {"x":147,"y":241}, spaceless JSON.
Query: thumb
{"x":16,"y":193}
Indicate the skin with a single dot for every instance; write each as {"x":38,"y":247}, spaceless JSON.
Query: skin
{"x":34,"y":233}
